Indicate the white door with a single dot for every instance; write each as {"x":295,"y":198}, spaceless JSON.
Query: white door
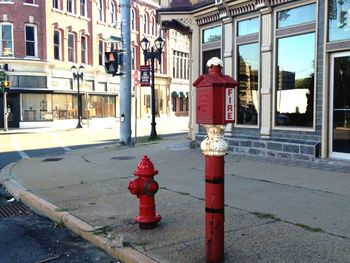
{"x":340,"y":106}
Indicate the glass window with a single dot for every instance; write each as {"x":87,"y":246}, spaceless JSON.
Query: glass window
{"x":102,"y":106}
{"x":56,"y":44}
{"x":64,"y":107}
{"x":6,"y":40}
{"x":32,"y":2}
{"x":100,"y":52}
{"x":55,"y":4}
{"x":70,"y":6}
{"x":295,"y":80}
{"x":296,"y":16}
{"x":339,"y":20}
{"x":30,"y":38}
{"x":83,"y":50}
{"x":208,"y":55}
{"x":112,"y":12}
{"x":249,"y":26}
{"x":145,"y":24}
{"x":71,"y":47}
{"x":100,"y":10}
{"x":248,"y":83}
{"x":133,"y":27}
{"x":154,"y":26}
{"x":37,"y":107}
{"x":133,"y":58}
{"x":211,"y":34}
{"x":83,"y":7}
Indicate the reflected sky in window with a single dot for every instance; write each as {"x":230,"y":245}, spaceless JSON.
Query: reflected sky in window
{"x":296,"y":16}
{"x":247,"y":27}
{"x":211,"y":34}
{"x":296,"y":54}
{"x":295,"y":80}
{"x":339,"y":20}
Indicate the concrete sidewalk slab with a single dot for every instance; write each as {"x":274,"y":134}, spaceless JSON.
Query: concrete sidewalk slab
{"x":275,"y":211}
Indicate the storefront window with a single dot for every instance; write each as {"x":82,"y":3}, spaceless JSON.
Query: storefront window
{"x":295,"y":80}
{"x":338,"y":20}
{"x":37,"y":107}
{"x":64,"y":106}
{"x":248,"y":26}
{"x":211,"y":34}
{"x":248,"y":83}
{"x":101,"y":106}
{"x":296,"y":16}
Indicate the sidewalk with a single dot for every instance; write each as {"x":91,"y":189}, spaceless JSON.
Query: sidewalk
{"x":276,"y":211}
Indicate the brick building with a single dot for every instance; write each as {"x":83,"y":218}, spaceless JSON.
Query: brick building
{"x":42,"y":40}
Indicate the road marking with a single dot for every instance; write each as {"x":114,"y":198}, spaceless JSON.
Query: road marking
{"x":60,"y":142}
{"x":18,"y":148}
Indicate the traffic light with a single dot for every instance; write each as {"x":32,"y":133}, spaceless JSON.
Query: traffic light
{"x":5,"y":84}
{"x":342,"y":19}
{"x":114,"y":62}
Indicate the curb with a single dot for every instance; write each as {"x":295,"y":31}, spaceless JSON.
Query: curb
{"x":114,"y":248}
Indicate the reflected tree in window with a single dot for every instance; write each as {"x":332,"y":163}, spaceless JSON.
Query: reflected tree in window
{"x":248,"y":98}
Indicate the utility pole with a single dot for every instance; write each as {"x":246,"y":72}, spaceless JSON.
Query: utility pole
{"x":125,"y":80}
{"x":5,"y":111}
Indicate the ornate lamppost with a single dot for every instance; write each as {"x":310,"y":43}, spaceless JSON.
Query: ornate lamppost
{"x":78,"y":75}
{"x":152,"y":55}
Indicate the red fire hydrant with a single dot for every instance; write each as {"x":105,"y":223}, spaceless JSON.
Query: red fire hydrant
{"x":145,"y":187}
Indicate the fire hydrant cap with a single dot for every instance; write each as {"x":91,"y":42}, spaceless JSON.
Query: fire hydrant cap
{"x":145,"y":168}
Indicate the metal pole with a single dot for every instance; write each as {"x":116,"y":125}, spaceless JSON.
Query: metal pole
{"x":5,"y":111}
{"x":214,"y":148}
{"x":135,"y":113}
{"x":153,"y":134}
{"x":125,"y":80}
{"x":79,"y":102}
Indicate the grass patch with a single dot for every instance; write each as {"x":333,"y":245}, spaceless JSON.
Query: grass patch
{"x":146,"y":139}
{"x":58,"y":224}
{"x":311,"y":229}
{"x":104,"y":230}
{"x":265,"y":216}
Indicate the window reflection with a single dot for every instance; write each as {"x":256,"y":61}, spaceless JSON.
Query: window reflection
{"x":212,"y":35}
{"x":6,"y":41}
{"x":295,"y":80}
{"x":249,"y":26}
{"x":248,"y":98}
{"x":338,"y":20}
{"x":296,"y":16}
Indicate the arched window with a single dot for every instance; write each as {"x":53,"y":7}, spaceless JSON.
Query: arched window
{"x":133,"y":20}
{"x":145,"y":24}
{"x":100,"y":10}
{"x":112,"y":12}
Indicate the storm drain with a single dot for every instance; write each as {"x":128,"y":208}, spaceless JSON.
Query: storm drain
{"x":15,"y":209}
{"x":52,"y":159}
{"x":122,"y":158}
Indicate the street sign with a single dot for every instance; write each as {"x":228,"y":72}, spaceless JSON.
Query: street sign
{"x":135,"y":77}
{"x":145,"y":76}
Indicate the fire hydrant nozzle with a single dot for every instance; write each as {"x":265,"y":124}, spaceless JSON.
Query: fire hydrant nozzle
{"x":145,"y":187}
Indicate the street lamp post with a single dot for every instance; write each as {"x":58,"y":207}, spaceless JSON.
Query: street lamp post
{"x":152,"y":55}
{"x":78,"y":75}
